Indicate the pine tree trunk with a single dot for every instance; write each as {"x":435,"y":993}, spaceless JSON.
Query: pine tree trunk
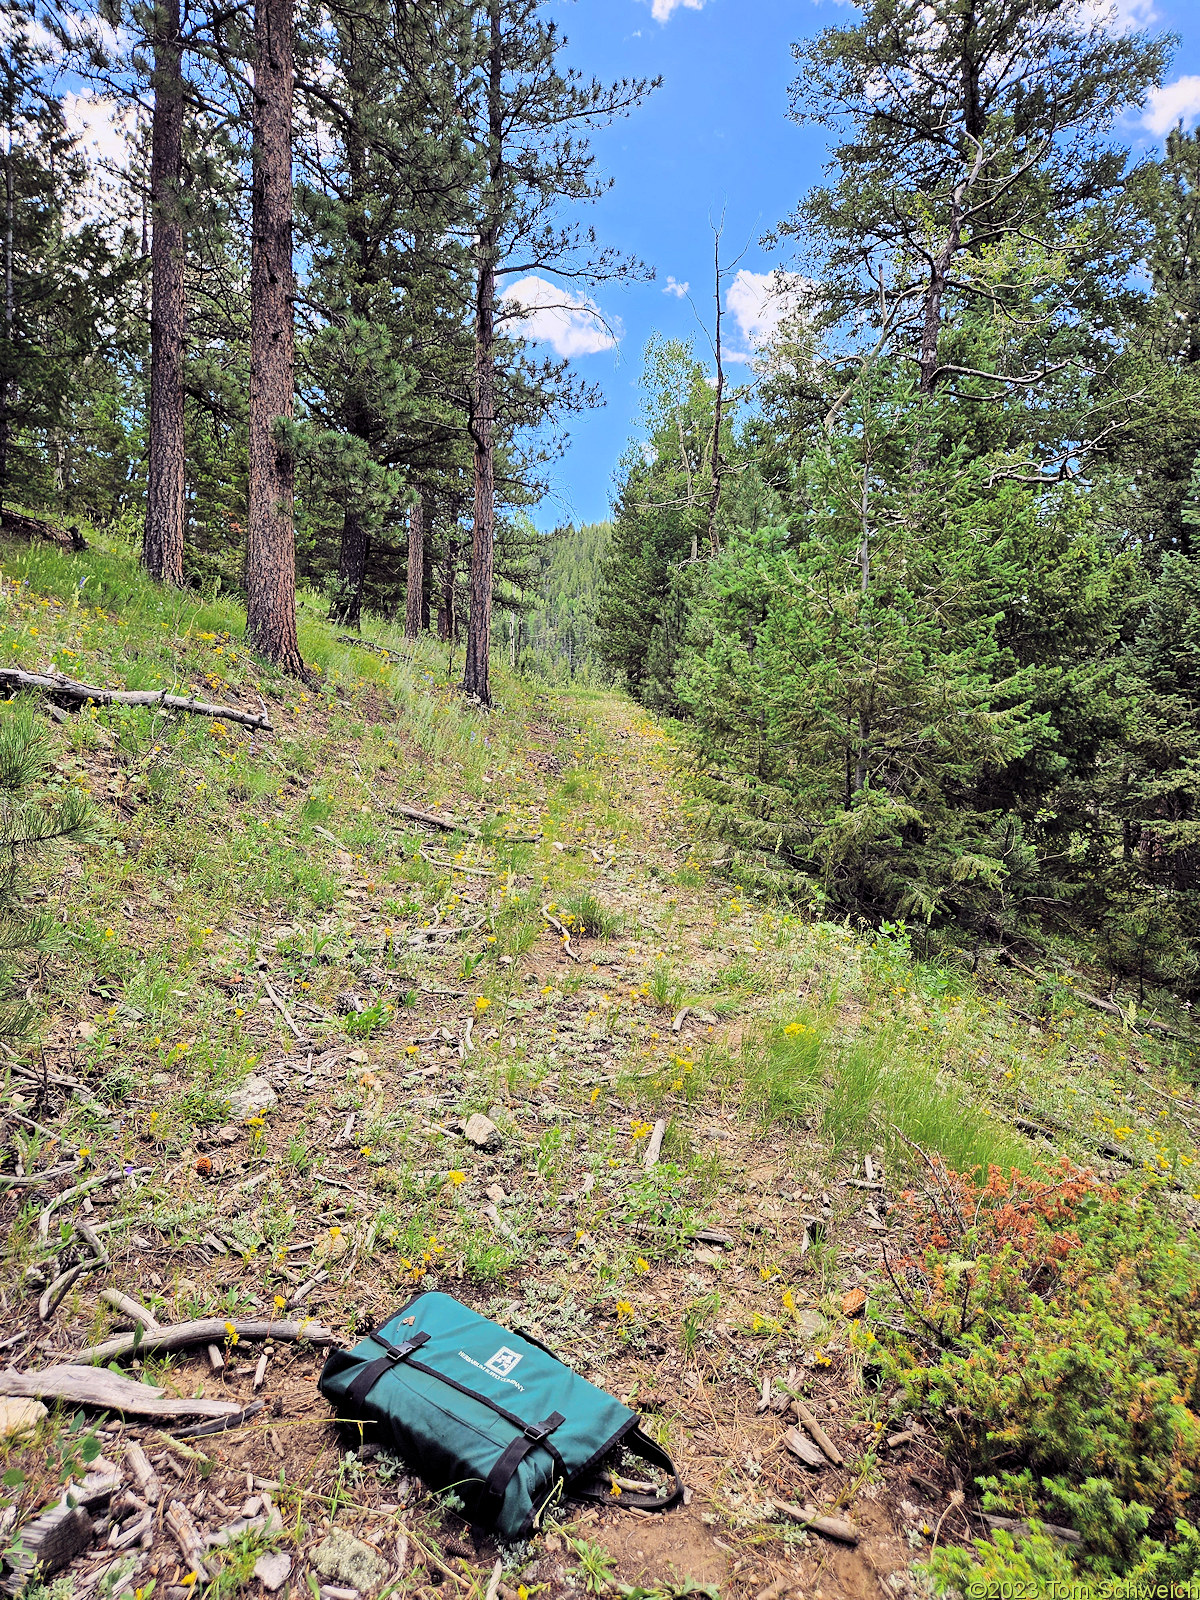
{"x":9,"y":313}
{"x":427,"y":565}
{"x":271,"y":541}
{"x":162,"y":540}
{"x":416,"y":569}
{"x":346,"y":606}
{"x":479,"y":627}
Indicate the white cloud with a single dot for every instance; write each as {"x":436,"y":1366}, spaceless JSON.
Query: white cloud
{"x":760,"y":302}
{"x":672,"y":286}
{"x":571,"y":324}
{"x":102,"y":126}
{"x":661,"y":10}
{"x":1122,"y":16}
{"x":1174,"y":101}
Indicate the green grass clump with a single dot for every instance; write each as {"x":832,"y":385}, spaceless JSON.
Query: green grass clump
{"x":589,"y":917}
{"x":872,"y":1090}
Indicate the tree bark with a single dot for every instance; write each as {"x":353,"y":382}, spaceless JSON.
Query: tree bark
{"x":271,"y":540}
{"x":9,"y":308}
{"x":479,"y":627}
{"x":416,"y":569}
{"x":346,"y":606}
{"x":427,"y":564}
{"x":162,"y":539}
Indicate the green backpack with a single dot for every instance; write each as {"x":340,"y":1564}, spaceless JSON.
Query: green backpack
{"x":489,"y":1413}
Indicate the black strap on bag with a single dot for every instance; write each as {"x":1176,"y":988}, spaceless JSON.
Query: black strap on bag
{"x":641,"y":1445}
{"x":374,"y":1370}
{"x":535,"y":1433}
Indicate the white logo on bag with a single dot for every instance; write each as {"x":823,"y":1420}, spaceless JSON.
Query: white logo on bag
{"x":502,"y":1363}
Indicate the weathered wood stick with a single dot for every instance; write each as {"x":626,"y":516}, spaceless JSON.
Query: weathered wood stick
{"x":563,"y":934}
{"x":456,"y":866}
{"x":73,"y":1193}
{"x":1015,"y":1525}
{"x":53,"y":1297}
{"x":129,"y":1308}
{"x":799,"y":1446}
{"x":205,"y":1331}
{"x":806,"y":1419}
{"x":431,"y":820}
{"x":109,"y":1391}
{"x":277,"y":1002}
{"x":143,"y":1473}
{"x":810,"y":1517}
{"x":69,"y":689}
{"x":654,"y":1146}
{"x":187,"y":1536}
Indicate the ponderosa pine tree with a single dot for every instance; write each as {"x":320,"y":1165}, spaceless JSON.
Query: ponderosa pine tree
{"x":414,"y":599}
{"x":526,"y":117}
{"x":382,"y":180}
{"x":162,"y":541}
{"x":270,"y":534}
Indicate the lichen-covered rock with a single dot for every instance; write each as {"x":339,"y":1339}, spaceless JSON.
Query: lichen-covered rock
{"x":251,"y":1097}
{"x":341,"y":1558}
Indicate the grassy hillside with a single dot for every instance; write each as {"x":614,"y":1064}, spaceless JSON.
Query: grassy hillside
{"x":950,"y":1212}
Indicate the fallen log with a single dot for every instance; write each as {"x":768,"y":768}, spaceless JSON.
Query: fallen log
{"x":60,"y":688}
{"x":1023,"y":1530}
{"x":204,"y":1331}
{"x":108,"y":1391}
{"x":15,"y":523}
{"x":431,"y":820}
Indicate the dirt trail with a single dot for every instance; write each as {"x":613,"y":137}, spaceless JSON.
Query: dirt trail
{"x":574,"y":1060}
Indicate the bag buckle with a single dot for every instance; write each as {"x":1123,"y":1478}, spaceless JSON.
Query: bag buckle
{"x":397,"y":1352}
{"x":535,"y":1432}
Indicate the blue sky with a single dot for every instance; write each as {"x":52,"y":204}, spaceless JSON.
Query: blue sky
{"x":716,"y":137}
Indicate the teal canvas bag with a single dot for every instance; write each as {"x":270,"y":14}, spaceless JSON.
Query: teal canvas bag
{"x":487,"y":1412}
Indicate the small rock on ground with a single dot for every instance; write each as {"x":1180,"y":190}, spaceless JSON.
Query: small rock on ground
{"x":273,"y":1570}
{"x":482,"y":1131}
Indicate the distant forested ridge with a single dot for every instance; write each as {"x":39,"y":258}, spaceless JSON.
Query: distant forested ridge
{"x":925,"y":592}
{"x":558,"y":635}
